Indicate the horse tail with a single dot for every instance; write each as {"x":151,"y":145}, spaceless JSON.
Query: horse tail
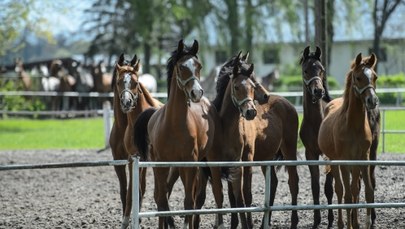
{"x":141,"y":139}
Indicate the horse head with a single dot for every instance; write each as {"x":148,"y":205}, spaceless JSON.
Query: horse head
{"x":127,"y":83}
{"x":363,"y":80}
{"x":243,"y":88}
{"x":313,"y":73}
{"x":186,"y":68}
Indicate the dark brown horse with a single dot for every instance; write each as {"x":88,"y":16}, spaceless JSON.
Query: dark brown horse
{"x":182,"y":130}
{"x":315,"y":98}
{"x":23,"y":75}
{"x":130,"y":99}
{"x":272,"y":130}
{"x":345,"y":134}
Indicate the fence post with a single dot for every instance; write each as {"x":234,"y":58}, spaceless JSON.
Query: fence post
{"x":383,"y":131}
{"x":107,"y":122}
{"x":267,"y":192}
{"x":135,"y":193}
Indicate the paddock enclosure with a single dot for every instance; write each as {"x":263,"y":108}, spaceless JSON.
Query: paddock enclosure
{"x":88,"y":197}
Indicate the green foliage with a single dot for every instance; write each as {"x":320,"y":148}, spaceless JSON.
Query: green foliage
{"x":391,"y":81}
{"x":18,"y":103}
{"x":294,"y":83}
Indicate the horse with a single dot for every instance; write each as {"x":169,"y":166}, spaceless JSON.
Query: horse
{"x":182,"y":130}
{"x":130,"y":99}
{"x":315,"y":98}
{"x":102,"y":81}
{"x":23,"y":75}
{"x":346,"y":134}
{"x":271,"y":131}
{"x":270,"y":79}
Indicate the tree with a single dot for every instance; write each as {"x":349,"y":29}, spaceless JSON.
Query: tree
{"x":19,"y":16}
{"x":383,"y":9}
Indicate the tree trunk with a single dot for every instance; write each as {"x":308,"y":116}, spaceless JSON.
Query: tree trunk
{"x":320,"y":30}
{"x":233,"y":24}
{"x":147,"y":49}
{"x":249,"y":26}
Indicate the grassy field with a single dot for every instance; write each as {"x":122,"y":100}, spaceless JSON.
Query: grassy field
{"x":84,"y":133}
{"x":88,"y":133}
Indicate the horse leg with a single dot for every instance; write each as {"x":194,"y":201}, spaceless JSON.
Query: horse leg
{"x":171,"y":180}
{"x":293,"y":184}
{"x":329,"y":196}
{"x":160,"y":196}
{"x":314,"y":171}
{"x":188,"y":176}
{"x":236,"y":181}
{"x":247,"y":192}
{"x":355,"y":190}
{"x":273,"y":189}
{"x":200,"y":195}
{"x":345,"y":171}
{"x":339,"y":192}
{"x":373,"y":157}
{"x":218,"y":193}
{"x":232,"y":202}
{"x":369,"y":193}
{"x":128,"y":206}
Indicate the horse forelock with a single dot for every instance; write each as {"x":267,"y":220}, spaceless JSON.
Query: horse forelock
{"x":171,"y":63}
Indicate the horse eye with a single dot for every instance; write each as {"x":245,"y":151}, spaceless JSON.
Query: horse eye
{"x":236,"y":88}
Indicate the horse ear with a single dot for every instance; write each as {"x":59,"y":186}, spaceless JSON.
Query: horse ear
{"x":358,"y":59}
{"x":318,"y":53}
{"x":245,"y":57}
{"x":134,"y":60}
{"x":238,"y":56}
{"x":372,"y":61}
{"x":121,"y":59}
{"x":306,"y":52}
{"x":137,"y":66}
{"x":180,"y":46}
{"x":194,"y":48}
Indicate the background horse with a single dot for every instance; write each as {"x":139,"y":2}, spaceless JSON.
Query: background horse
{"x":23,"y":75}
{"x":345,"y":134}
{"x":315,"y":98}
{"x":130,"y":99}
{"x":270,"y":79}
{"x":182,"y":130}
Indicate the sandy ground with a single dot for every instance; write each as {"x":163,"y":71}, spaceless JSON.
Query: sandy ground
{"x":89,"y":197}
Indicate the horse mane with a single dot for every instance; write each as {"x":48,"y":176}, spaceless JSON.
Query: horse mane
{"x":148,"y":97}
{"x":171,"y":63}
{"x":223,"y":79}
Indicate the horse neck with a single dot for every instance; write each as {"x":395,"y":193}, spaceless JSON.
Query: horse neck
{"x":354,"y":109}
{"x":177,"y":104}
{"x":312,"y":111}
{"x":229,"y":113}
{"x":120,"y":118}
{"x":144,"y":102}
{"x":147,"y":96}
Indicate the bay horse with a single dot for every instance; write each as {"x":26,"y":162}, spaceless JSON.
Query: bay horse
{"x":130,"y":99}
{"x":182,"y":130}
{"x":346,"y":134}
{"x":315,"y":98}
{"x":273,"y":130}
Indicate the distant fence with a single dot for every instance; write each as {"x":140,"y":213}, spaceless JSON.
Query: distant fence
{"x":107,"y":113}
{"x":266,"y":208}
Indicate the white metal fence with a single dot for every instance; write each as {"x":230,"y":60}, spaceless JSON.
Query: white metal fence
{"x":136,"y":214}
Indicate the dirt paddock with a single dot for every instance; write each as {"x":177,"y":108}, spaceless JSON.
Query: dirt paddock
{"x":89,"y":197}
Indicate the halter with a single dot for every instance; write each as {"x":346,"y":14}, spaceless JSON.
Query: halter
{"x":361,"y":90}
{"x":308,"y":82}
{"x":182,"y":83}
{"x":237,"y":102}
{"x":134,"y":96}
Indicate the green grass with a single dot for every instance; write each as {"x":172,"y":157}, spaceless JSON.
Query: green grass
{"x":88,"y":133}
{"x":85,"y":133}
{"x":394,"y":143}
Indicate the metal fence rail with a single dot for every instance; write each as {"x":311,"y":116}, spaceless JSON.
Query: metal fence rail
{"x":265,"y":208}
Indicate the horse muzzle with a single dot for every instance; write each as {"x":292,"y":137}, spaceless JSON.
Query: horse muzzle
{"x":371,"y":101}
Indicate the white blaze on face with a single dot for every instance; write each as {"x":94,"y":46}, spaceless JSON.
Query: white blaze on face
{"x":368,"y":73}
{"x":190,"y":65}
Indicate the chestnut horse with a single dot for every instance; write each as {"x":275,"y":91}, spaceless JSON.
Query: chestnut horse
{"x":315,"y":98}
{"x":345,"y":134}
{"x":182,"y":130}
{"x":130,"y":99}
{"x":272,"y":130}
